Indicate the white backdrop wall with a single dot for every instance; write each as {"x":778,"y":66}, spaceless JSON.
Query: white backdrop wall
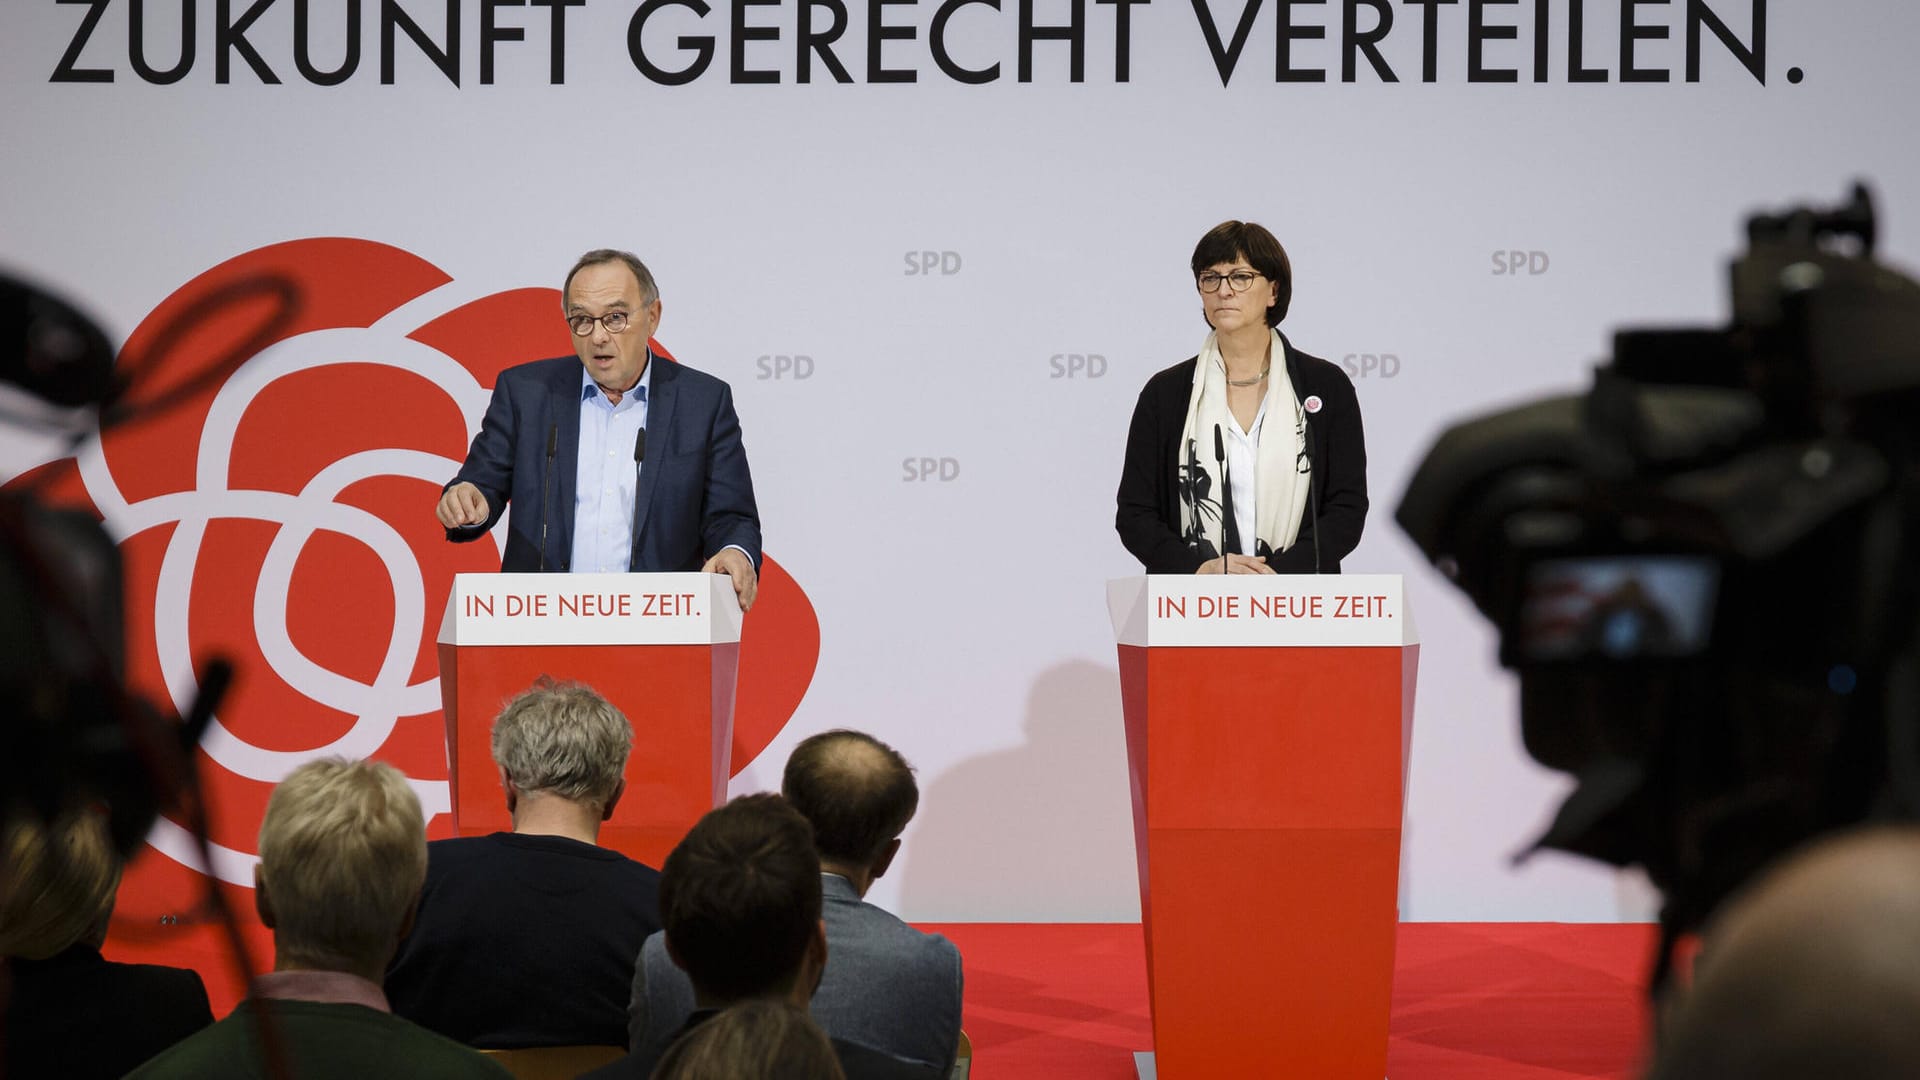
{"x":961,"y":617}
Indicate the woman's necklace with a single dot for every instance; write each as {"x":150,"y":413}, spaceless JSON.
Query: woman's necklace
{"x":1255,"y":381}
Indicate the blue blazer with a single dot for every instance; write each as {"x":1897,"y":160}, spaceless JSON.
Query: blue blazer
{"x":695,"y":494}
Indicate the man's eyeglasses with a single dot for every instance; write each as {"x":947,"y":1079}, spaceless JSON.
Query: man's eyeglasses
{"x":614,"y":321}
{"x":1239,"y":280}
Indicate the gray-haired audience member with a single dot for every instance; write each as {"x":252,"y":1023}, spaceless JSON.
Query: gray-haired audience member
{"x":886,"y":985}
{"x":343,"y":850}
{"x":1812,"y":972}
{"x":528,"y":938}
{"x":741,"y":899}
{"x":70,"y":1012}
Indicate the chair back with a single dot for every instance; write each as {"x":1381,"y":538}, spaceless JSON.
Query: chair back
{"x":962,"y":1059}
{"x":555,"y":1062}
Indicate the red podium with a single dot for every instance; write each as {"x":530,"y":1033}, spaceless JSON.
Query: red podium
{"x":663,"y":648}
{"x":1267,"y":723}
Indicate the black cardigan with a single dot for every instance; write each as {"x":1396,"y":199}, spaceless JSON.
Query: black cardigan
{"x":1149,"y":508}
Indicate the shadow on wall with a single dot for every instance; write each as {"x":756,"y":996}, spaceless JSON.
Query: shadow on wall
{"x":1042,"y":832}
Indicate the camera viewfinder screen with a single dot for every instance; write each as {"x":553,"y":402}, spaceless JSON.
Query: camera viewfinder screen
{"x":1618,"y":607}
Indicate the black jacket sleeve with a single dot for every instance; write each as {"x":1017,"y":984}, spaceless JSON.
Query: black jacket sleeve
{"x":729,"y":514}
{"x":489,"y":463}
{"x":1339,"y":471}
{"x":1147,"y":516}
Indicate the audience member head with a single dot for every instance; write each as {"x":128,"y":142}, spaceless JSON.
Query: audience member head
{"x":754,"y":1040}
{"x":740,"y":903}
{"x":1812,"y":971}
{"x":859,"y":794}
{"x":562,"y":741}
{"x":343,"y":854}
{"x":58,"y":887}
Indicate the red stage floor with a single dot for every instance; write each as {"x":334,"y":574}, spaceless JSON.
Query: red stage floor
{"x":1471,"y":1001}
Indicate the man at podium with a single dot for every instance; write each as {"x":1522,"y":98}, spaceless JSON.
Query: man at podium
{"x":609,"y":461}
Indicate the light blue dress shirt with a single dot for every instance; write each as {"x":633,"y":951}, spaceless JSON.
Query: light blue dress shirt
{"x":607,"y":476}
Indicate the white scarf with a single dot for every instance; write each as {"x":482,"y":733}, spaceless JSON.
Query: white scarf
{"x":1281,"y":471}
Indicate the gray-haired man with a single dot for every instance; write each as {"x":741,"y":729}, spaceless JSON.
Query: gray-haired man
{"x":528,"y":938}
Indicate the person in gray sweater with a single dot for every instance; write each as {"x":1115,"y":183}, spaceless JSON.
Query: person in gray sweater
{"x":886,"y":985}
{"x":740,"y":896}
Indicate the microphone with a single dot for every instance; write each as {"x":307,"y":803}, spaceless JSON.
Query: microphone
{"x":1227,"y":521}
{"x":1313,"y":485}
{"x":633,"y":529}
{"x":546,"y":490}
{"x":1306,"y":451}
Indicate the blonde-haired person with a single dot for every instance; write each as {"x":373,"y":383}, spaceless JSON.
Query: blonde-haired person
{"x":343,"y":850}
{"x":71,"y":1012}
{"x":754,"y":1040}
{"x":542,"y":906}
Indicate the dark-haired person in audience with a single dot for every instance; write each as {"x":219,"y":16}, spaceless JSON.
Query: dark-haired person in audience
{"x":70,"y":1012}
{"x":754,"y":1040}
{"x":528,"y":938}
{"x":343,"y":850}
{"x":741,"y":899}
{"x":1811,"y":972}
{"x":887,"y":985}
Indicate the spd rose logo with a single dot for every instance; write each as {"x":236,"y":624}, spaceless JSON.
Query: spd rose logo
{"x":283,"y":518}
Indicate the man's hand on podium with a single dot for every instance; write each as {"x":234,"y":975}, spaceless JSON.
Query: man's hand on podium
{"x":734,"y":563}
{"x":462,"y":506}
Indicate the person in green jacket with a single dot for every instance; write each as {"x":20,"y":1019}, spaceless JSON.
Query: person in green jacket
{"x":343,"y":854}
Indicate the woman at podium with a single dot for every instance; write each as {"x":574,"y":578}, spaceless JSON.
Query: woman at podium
{"x":1247,"y":458}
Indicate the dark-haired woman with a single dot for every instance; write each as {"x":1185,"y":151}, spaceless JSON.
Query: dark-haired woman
{"x":1291,"y":492}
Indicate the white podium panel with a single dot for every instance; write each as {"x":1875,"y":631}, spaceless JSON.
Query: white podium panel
{"x":591,"y":609}
{"x":1260,"y":610}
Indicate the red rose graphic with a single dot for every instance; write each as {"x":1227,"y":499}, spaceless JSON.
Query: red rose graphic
{"x":283,"y":518}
